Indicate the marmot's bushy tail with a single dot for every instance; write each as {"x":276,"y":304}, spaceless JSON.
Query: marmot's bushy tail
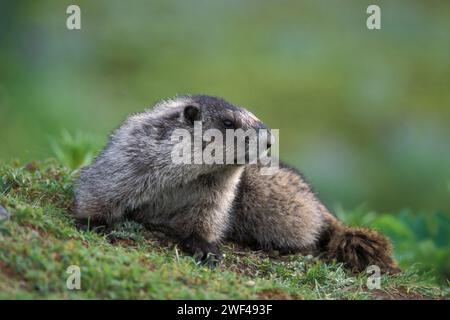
{"x":357,"y":248}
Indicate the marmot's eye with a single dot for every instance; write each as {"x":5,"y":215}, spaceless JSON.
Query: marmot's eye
{"x":228,"y":124}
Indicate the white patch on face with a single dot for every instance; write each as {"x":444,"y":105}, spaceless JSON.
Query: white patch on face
{"x":253,"y":118}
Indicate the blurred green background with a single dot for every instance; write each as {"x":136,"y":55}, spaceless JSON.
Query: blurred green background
{"x":365,"y":115}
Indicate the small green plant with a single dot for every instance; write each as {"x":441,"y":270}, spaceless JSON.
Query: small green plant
{"x":72,"y":150}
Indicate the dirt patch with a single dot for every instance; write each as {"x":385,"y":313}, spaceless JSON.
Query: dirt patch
{"x":275,"y":294}
{"x":31,"y":166}
{"x":399,"y":293}
{"x":13,"y":276}
{"x":7,"y":271}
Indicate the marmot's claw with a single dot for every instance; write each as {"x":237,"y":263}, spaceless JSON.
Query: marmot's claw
{"x":203,"y":251}
{"x":210,"y":259}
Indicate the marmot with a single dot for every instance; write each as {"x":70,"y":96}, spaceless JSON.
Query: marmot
{"x":200,"y":205}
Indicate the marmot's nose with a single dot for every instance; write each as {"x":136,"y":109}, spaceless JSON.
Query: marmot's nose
{"x":270,"y":139}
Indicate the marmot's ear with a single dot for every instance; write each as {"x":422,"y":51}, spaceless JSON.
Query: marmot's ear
{"x":192,"y":113}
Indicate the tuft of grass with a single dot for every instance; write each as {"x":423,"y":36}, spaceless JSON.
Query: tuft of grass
{"x":73,"y":150}
{"x":40,"y":241}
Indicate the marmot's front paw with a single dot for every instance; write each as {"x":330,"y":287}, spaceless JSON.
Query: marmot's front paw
{"x":211,"y":255}
{"x":202,"y":250}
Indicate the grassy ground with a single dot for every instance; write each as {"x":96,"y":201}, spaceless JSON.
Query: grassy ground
{"x":39,"y":242}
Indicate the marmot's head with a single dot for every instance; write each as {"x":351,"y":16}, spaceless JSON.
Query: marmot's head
{"x":212,"y":115}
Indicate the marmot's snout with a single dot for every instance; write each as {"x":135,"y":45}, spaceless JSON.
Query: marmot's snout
{"x":264,"y":134}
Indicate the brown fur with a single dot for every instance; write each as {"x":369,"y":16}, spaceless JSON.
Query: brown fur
{"x":358,"y":248}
